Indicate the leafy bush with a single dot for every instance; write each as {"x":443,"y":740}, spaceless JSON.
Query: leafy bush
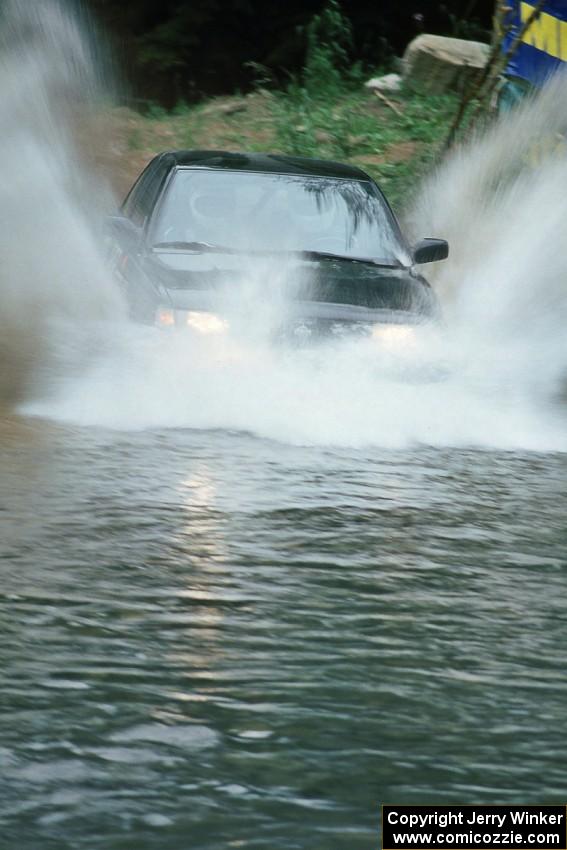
{"x":329,"y":39}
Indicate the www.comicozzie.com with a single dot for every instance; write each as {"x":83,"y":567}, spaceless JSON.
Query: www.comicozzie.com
{"x":478,"y":827}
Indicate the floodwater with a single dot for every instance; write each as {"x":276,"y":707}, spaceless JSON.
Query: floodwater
{"x":214,"y":640}
{"x":248,"y":595}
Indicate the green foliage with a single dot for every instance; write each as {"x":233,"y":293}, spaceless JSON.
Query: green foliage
{"x":396,"y":149}
{"x":193,"y":48}
{"x":182,"y":108}
{"x":307,"y":113}
{"x":135,"y":139}
{"x":395,"y":142}
{"x":329,"y":41}
{"x":156,"y":112}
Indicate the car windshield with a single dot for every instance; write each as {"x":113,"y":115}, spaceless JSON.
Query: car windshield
{"x":256,"y":212}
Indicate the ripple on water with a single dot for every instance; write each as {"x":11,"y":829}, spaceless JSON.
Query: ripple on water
{"x":187,"y":736}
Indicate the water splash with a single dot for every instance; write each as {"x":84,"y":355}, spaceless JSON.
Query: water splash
{"x":500,"y":201}
{"x":51,"y":273}
{"x":502,"y":355}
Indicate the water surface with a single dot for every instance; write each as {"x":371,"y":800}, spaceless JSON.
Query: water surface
{"x":213,"y":640}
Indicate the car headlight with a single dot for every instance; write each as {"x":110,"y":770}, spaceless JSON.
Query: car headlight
{"x":205,"y":323}
{"x":394,"y":336}
{"x":165,"y":318}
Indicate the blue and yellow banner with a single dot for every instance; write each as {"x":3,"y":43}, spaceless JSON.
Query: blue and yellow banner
{"x":544,"y":45}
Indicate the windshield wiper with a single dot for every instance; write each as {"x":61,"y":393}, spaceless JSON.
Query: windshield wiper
{"x":208,"y":248}
{"x":328,"y":255}
{"x":197,"y":247}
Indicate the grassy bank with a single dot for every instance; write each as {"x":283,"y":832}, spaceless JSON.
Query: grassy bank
{"x":396,"y":144}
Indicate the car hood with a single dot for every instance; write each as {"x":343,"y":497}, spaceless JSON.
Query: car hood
{"x":322,"y":289}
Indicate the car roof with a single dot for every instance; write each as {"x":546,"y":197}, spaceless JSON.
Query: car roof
{"x":268,"y":162}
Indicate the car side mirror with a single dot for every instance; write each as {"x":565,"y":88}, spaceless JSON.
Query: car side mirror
{"x":430,"y":251}
{"x":123,"y":229}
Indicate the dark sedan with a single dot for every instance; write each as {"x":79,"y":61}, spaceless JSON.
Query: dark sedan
{"x":196,"y":222}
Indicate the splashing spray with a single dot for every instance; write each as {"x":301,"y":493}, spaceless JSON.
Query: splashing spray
{"x":504,"y":350}
{"x":501,"y":202}
{"x":51,"y":275}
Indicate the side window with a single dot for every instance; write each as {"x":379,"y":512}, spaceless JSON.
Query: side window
{"x":139,"y":203}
